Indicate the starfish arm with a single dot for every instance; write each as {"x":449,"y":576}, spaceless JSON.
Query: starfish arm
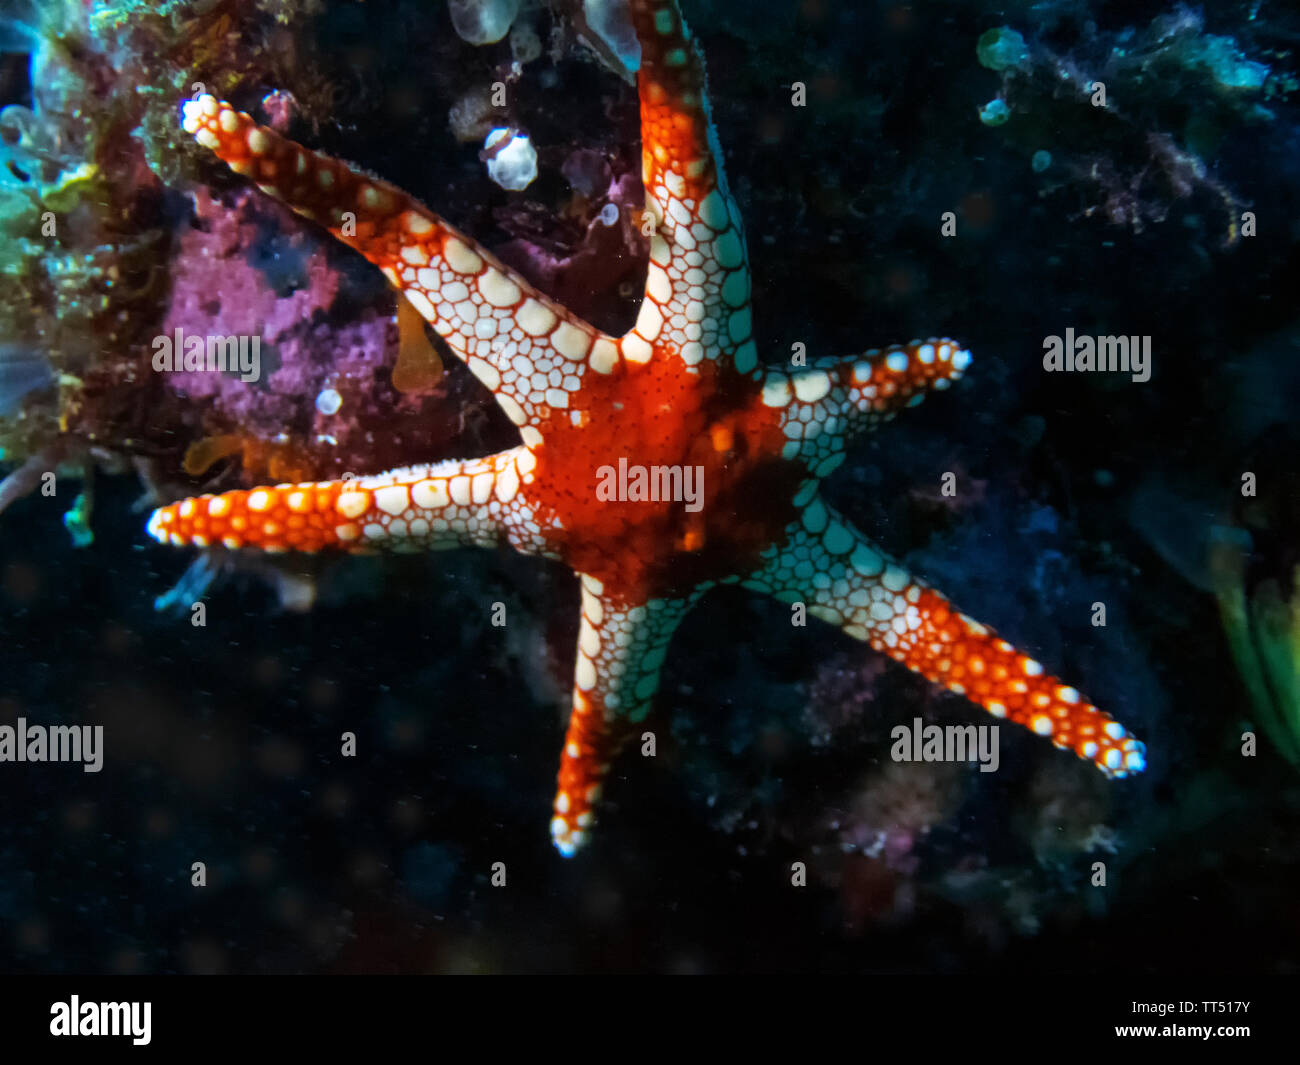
{"x":872,"y":598}
{"x":697,"y":295}
{"x":450,"y":504}
{"x":621,"y":647}
{"x":835,"y":400}
{"x":531,"y":352}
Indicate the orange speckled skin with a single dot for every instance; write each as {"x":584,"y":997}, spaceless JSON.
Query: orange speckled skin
{"x":295,"y":518}
{"x":683,"y":388}
{"x":668,"y":420}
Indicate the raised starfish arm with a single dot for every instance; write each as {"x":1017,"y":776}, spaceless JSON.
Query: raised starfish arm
{"x":450,"y":504}
{"x":530,"y":351}
{"x":873,"y":598}
{"x":834,"y":400}
{"x":697,"y":286}
{"x":620,"y":650}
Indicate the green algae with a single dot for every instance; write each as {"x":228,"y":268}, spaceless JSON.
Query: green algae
{"x":1002,"y":49}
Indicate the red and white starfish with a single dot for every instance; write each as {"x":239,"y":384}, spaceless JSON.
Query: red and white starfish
{"x":683,"y":390}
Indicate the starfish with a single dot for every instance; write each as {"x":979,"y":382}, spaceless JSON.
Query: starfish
{"x":682,"y":398}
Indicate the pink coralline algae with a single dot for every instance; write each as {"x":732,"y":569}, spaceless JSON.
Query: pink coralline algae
{"x":247,"y":269}
{"x":217,"y":291}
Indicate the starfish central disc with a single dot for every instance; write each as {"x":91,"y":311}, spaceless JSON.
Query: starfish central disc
{"x":657,"y":464}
